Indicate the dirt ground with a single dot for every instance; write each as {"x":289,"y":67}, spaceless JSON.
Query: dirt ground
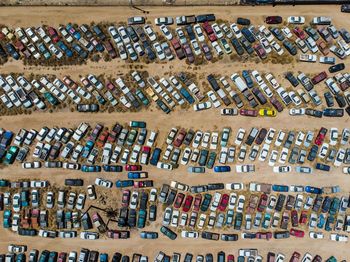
{"x":156,"y":120}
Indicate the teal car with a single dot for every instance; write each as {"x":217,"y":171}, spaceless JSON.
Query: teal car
{"x":138,"y":124}
{"x":4,"y":183}
{"x":206,"y":202}
{"x":211,"y":160}
{"x":334,"y":206}
{"x":142,"y":97}
{"x":168,"y":233}
{"x":11,"y":155}
{"x":131,"y":137}
{"x":141,"y":221}
{"x":266,"y":221}
{"x":7,"y":219}
{"x":51,"y":99}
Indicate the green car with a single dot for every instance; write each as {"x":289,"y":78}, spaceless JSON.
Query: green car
{"x":331,"y":259}
{"x":142,"y":97}
{"x":206,"y":202}
{"x":138,"y":124}
{"x":11,"y":155}
{"x":131,"y":137}
{"x":211,"y":160}
{"x":168,"y":232}
{"x":334,"y":206}
{"x":51,"y":99}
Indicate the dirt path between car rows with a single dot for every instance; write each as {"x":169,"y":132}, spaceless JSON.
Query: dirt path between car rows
{"x":156,"y":120}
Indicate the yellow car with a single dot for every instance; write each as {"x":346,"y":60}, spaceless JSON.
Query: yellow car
{"x":267,"y":112}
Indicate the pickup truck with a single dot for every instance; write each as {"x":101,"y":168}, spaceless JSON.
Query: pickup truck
{"x":307,"y":58}
{"x":253,"y":202}
{"x":185,"y":20}
{"x":260,"y":187}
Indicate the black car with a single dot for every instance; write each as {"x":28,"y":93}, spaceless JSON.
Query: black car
{"x":281,"y":234}
{"x":313,"y":153}
{"x":12,"y":51}
{"x":292,"y":79}
{"x":248,"y":35}
{"x":188,"y":138}
{"x":209,"y":257}
{"x":132,"y":218}
{"x":247,"y":46}
{"x":261,"y":136}
{"x":326,"y":205}
{"x":277,"y":33}
{"x":216,"y":186}
{"x":259,"y":95}
{"x":336,"y":68}
{"x":313,"y":112}
{"x":152,"y":215}
{"x":2,"y":52}
{"x":188,"y":257}
{"x":210,"y":235}
{"x":27,"y":232}
{"x":190,"y":32}
{"x":345,"y":8}
{"x":329,"y":99}
{"x":291,"y":48}
{"x":143,"y":200}
{"x":229,"y":237}
{"x":243,"y":21}
{"x":348,"y":110}
{"x":221,"y":256}
{"x":116,"y":257}
{"x":280,"y":202}
{"x":132,"y":34}
{"x":340,"y":100}
{"x":333,"y":112}
{"x":290,"y":139}
{"x":74,"y":182}
{"x":237,"y":46}
{"x":123,"y":216}
{"x":171,"y":197}
{"x":98,"y":31}
{"x":205,"y":18}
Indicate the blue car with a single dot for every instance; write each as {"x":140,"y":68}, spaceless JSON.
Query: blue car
{"x":87,"y":149}
{"x":73,"y":32}
{"x":110,"y":168}
{"x":248,"y":35}
{"x":222,"y":169}
{"x":12,"y":51}
{"x":323,"y":167}
{"x":103,"y":257}
{"x":247,"y":78}
{"x":90,"y":168}
{"x":313,"y":190}
{"x":137,"y":175}
{"x":124,"y":183}
{"x":155,"y":156}
{"x":280,"y":188}
{"x":321,"y":221}
{"x":329,"y":223}
{"x":187,"y":95}
{"x":83,"y":54}
{"x":65,"y":49}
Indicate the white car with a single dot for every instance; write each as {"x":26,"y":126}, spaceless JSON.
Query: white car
{"x":159,"y":51}
{"x":91,"y":192}
{"x":286,"y":31}
{"x":150,"y":33}
{"x":198,"y":30}
{"x":195,"y":46}
{"x":283,"y":155}
{"x":175,"y":218}
{"x":339,"y":158}
{"x":339,"y":237}
{"x":103,"y":182}
{"x":273,"y":157}
{"x":165,"y":30}
{"x":186,"y":156}
{"x":297,"y":111}
{"x":282,"y":169}
{"x":232,"y":200}
{"x":216,"y":103}
{"x":217,"y":31}
{"x":296,"y":20}
{"x":333,"y":136}
{"x":323,"y":151}
{"x":197,"y":139}
{"x":239,"y":136}
{"x":202,"y":106}
{"x":189,"y":234}
{"x":264,"y":152}
{"x":89,"y":235}
{"x":240,"y":204}
{"x":217,"y":48}
{"x":236,"y":30}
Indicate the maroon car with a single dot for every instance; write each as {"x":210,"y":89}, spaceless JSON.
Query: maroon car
{"x":53,"y":34}
{"x":125,"y":198}
{"x":248,"y":112}
{"x":178,"y":49}
{"x":110,"y":49}
{"x":299,"y":32}
{"x":197,"y":202}
{"x":318,"y":78}
{"x":180,"y":137}
{"x":276,"y":104}
{"x":273,"y":19}
{"x":188,"y":52}
{"x":260,"y":51}
{"x":188,"y":202}
{"x":178,"y":200}
{"x":133,"y":168}
{"x":262,"y":203}
{"x":263,"y":235}
{"x":207,"y":52}
{"x":294,"y":216}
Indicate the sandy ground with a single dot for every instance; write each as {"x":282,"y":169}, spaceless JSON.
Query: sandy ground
{"x":209,"y":120}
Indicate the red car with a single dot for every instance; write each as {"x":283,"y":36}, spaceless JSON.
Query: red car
{"x":296,"y":232}
{"x":102,"y":138}
{"x":133,"y":168}
{"x":188,"y":52}
{"x":53,"y":34}
{"x":180,"y":137}
{"x":178,"y":200}
{"x":118,"y":234}
{"x":321,"y":136}
{"x":223,"y":202}
{"x":112,"y":136}
{"x":197,"y":202}
{"x":262,"y":203}
{"x":248,"y":112}
{"x":62,"y":257}
{"x":294,"y":218}
{"x":263,"y":235}
{"x":188,"y":202}
{"x":209,"y":31}
{"x":303,"y":217}
{"x":110,"y":86}
{"x":125,"y":198}
{"x":144,"y":183}
{"x":299,"y":32}
{"x":69,"y":82}
{"x":318,"y":78}
{"x":230,"y":258}
{"x":260,"y":51}
{"x":295,"y":257}
{"x":273,"y":20}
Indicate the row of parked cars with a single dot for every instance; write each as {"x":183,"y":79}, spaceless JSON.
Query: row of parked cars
{"x":191,"y":38}
{"x":286,"y":215}
{"x":263,"y":90}
{"x":135,"y":146}
{"x":17,"y":253}
{"x":93,"y":94}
